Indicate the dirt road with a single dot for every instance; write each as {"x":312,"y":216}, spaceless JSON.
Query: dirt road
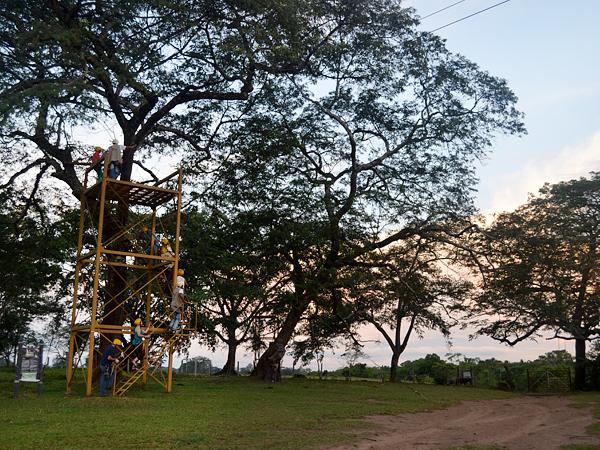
{"x":523,"y":423}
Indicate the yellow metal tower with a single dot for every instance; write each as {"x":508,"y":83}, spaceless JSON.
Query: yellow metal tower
{"x":120,"y":275}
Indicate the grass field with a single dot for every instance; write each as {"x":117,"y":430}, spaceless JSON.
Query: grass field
{"x":217,"y":413}
{"x":211,"y":413}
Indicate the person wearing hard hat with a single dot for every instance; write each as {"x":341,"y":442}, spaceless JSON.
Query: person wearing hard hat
{"x":109,"y":358}
{"x":178,"y":301}
{"x":148,"y":237}
{"x":136,"y":342}
{"x":115,"y":159}
{"x":167,"y":252}
{"x":165,"y":248}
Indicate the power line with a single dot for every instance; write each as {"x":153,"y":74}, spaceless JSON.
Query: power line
{"x":443,"y":9}
{"x":470,"y":15}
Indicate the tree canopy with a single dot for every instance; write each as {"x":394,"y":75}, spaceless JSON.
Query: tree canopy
{"x":382,"y":152}
{"x":542,"y":272}
{"x":33,"y":260}
{"x":160,"y":70}
{"x":234,"y":279}
{"x":407,"y":289}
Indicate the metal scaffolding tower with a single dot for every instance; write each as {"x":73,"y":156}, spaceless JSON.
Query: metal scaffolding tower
{"x":120,"y":275}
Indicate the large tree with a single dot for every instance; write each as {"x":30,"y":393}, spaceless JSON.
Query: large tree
{"x":402,"y":291}
{"x":166,"y":72}
{"x":408,"y":290}
{"x":541,"y":271}
{"x":382,"y":152}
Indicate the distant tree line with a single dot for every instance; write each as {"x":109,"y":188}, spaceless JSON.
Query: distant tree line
{"x":486,"y":373}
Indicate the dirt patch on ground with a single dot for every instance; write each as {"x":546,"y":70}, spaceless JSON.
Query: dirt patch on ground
{"x":525,"y":423}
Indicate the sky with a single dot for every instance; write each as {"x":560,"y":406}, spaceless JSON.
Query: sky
{"x":546,"y":50}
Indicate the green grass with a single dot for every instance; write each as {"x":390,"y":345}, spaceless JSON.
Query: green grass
{"x":580,"y":447}
{"x":585,"y":400}
{"x":212,"y":413}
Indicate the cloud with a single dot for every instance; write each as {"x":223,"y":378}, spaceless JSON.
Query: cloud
{"x":569,"y":163}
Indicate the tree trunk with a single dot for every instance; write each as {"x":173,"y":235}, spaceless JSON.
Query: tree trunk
{"x":268,"y":367}
{"x":580,"y":363}
{"x":115,"y":219}
{"x":229,"y":367}
{"x":394,"y":367}
{"x":127,"y":167}
{"x":115,"y":292}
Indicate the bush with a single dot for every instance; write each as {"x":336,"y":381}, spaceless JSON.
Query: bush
{"x":425,"y":379}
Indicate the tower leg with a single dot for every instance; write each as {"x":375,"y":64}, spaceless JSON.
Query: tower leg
{"x":90,"y":367}
{"x":145,"y":364}
{"x":70,"y":363}
{"x":170,"y":373}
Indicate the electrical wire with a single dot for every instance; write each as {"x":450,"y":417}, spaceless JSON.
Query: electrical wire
{"x":443,"y":9}
{"x":470,"y":15}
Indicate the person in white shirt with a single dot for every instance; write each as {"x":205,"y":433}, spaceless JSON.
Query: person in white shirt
{"x":178,"y":301}
{"x":114,"y":153}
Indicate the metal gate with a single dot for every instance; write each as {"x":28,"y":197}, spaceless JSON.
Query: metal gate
{"x":544,"y":380}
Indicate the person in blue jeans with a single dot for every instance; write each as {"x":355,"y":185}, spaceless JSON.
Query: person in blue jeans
{"x":147,"y":236}
{"x":114,"y":153}
{"x":110,"y":357}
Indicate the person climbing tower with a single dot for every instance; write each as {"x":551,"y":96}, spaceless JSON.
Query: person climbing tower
{"x":137,"y":354}
{"x":110,"y":357}
{"x":149,"y":237}
{"x":165,"y":248}
{"x":166,"y":251}
{"x":178,"y":301}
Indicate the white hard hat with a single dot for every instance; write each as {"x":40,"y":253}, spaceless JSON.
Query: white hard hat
{"x":115,"y":141}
